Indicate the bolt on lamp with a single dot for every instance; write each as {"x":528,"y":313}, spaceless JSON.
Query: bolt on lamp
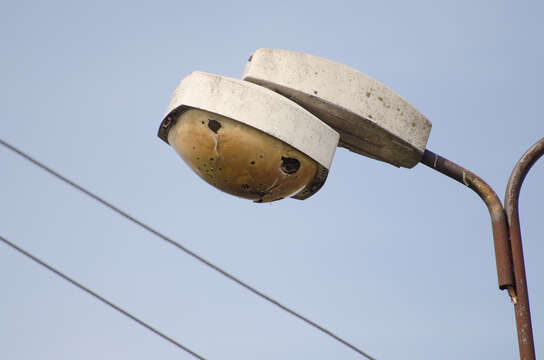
{"x":274,"y":133}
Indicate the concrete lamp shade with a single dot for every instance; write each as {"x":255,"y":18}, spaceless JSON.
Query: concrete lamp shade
{"x":247,"y":140}
{"x":372,"y":119}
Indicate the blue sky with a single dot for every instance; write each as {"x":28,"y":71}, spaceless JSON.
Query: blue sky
{"x":397,"y":261}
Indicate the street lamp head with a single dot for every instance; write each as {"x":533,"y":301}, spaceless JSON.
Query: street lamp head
{"x":274,"y":133}
{"x":247,"y":140}
{"x":372,"y":119}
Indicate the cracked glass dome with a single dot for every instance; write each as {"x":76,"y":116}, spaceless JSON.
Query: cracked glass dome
{"x":239,"y":159}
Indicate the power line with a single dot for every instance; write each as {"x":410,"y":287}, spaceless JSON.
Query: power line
{"x":104,"y":300}
{"x":186,"y":250}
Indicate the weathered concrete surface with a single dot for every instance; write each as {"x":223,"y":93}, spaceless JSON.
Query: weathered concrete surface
{"x":260,"y":108}
{"x":372,"y":119}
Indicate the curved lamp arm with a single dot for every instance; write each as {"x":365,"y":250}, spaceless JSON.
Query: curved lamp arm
{"x":498,"y":219}
{"x":511,"y":199}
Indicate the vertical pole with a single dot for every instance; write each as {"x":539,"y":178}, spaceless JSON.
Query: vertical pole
{"x":511,"y":202}
{"x":521,"y":300}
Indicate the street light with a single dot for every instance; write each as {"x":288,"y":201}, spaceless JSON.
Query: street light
{"x":247,"y":140}
{"x":293,"y":109}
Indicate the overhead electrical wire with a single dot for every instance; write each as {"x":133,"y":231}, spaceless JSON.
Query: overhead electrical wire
{"x":104,"y":300}
{"x":184,"y":249}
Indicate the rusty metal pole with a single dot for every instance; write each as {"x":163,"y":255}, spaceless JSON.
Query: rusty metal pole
{"x":499,"y":224}
{"x":506,"y":234}
{"x":521,"y":303}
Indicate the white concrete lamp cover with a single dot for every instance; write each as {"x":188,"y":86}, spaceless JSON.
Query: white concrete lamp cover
{"x":259,"y":108}
{"x":372,"y":119}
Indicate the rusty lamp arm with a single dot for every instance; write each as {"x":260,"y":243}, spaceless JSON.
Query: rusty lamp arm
{"x":521,"y":307}
{"x":506,"y":234}
{"x":499,"y":224}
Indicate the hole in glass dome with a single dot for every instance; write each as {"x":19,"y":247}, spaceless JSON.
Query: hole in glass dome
{"x":214,"y":125}
{"x":289,"y":165}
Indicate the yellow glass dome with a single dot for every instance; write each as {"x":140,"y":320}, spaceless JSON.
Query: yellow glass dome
{"x":239,"y":159}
